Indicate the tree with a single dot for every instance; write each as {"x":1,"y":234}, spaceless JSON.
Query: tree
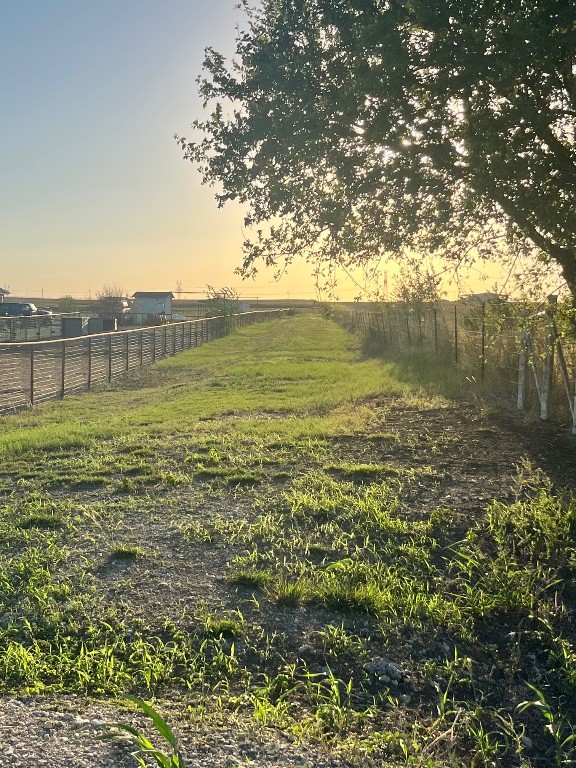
{"x":66,"y":304}
{"x":222,"y":302}
{"x":111,"y":303}
{"x":357,"y":128}
{"x":417,"y":284}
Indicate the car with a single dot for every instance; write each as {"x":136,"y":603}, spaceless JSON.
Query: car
{"x":43,"y":311}
{"x":17,"y":309}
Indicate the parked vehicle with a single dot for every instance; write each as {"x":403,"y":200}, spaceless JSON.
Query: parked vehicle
{"x":17,"y":309}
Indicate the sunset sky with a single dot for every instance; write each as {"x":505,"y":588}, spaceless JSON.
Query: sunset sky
{"x":93,"y":187}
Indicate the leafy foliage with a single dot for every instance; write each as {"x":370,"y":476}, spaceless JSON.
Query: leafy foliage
{"x":110,"y":302}
{"x":222,"y":302}
{"x":358,"y":128}
{"x":67,"y":304}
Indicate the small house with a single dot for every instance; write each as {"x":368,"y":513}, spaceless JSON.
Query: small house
{"x":3,"y":292}
{"x":152,"y":303}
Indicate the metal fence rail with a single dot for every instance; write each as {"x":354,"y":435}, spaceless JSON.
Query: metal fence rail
{"x":35,"y":372}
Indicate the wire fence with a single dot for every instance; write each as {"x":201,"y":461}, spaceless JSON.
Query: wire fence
{"x":35,"y":372}
{"x":486,"y":341}
{"x":33,"y":328}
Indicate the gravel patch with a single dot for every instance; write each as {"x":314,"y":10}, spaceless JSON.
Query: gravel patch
{"x":67,"y":733}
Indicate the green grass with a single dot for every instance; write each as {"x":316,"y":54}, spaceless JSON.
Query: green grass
{"x":294,"y":367}
{"x":227,"y":534}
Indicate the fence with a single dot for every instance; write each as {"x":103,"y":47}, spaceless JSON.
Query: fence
{"x":33,"y":328}
{"x":491,"y":343}
{"x":35,"y":372}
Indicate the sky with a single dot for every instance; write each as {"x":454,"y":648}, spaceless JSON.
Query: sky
{"x":94,"y":191}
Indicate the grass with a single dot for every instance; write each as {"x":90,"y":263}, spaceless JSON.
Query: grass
{"x":238,"y":533}
{"x":302,"y":381}
{"x":164,"y":758}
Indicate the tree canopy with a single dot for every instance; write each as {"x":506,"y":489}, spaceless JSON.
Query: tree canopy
{"x":354,"y":128}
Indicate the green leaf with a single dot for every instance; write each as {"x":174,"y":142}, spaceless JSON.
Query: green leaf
{"x":159,"y":723}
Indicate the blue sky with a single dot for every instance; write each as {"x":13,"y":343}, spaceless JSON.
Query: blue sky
{"x":93,"y":188}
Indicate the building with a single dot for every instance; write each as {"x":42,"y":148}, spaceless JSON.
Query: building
{"x":148,"y":304}
{"x":3,"y":292}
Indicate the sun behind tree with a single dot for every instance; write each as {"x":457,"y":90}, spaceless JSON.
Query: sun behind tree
{"x":353,"y":130}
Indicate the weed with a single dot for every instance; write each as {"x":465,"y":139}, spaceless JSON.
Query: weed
{"x":338,"y":643}
{"x":127,"y":552}
{"x":225,"y":626}
{"x":144,"y":748}
{"x":47,"y":520}
{"x":249,"y":577}
{"x":556,"y":725}
{"x":287,"y":592}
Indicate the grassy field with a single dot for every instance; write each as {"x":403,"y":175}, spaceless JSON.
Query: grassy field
{"x":250,"y":528}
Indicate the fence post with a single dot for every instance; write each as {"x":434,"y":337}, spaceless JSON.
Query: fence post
{"x":32,"y":374}
{"x":455,"y":335}
{"x":63,"y":387}
{"x":435,"y":310}
{"x":154,"y":344}
{"x":483,"y":342}
{"x":408,"y":329}
{"x":522,"y":365}
{"x":127,"y":351}
{"x":89,"y":361}
{"x":382,"y":327}
{"x":109,"y":357}
{"x":378,"y":331}
{"x":548,"y":366}
{"x":141,"y":349}
{"x":566,"y":379}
